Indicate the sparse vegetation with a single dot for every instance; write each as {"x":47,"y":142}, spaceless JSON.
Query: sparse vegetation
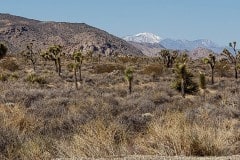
{"x":211,"y":60}
{"x":54,"y":53}
{"x":129,"y":77}
{"x":168,"y":57}
{"x":233,"y":58}
{"x":184,"y":80}
{"x":43,"y":116}
{"x":77,"y":66}
{"x":10,"y":64}
{"x":30,"y":55}
{"x":34,"y":78}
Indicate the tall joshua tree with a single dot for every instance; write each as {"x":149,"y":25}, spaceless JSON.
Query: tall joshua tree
{"x":30,"y":55}
{"x":233,"y":58}
{"x":183,"y":75}
{"x":168,"y":57}
{"x":129,"y":77}
{"x":54,"y":53}
{"x":3,"y":50}
{"x":78,"y":60}
{"x":202,"y":80}
{"x":183,"y":81}
{"x":211,"y":60}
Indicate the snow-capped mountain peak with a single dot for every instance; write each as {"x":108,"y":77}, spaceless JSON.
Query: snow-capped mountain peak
{"x":143,"y":38}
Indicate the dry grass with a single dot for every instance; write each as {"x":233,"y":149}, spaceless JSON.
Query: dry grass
{"x":100,"y":120}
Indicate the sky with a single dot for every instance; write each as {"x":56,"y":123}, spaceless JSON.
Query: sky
{"x":216,"y":20}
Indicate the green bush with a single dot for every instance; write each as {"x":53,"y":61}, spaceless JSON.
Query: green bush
{"x":34,"y":78}
{"x":4,"y":77}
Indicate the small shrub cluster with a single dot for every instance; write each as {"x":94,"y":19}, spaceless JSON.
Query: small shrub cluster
{"x":107,"y":68}
{"x":34,"y":78}
{"x":9,"y":64}
{"x":151,"y":69}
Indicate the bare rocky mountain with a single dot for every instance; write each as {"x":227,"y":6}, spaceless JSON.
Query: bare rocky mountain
{"x":200,"y":53}
{"x":16,"y":32}
{"x":148,"y":49}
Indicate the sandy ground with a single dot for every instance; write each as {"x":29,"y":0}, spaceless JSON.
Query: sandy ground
{"x":236,"y":157}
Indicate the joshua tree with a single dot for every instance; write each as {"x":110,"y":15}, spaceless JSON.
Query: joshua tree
{"x":3,"y":50}
{"x":211,"y":60}
{"x":183,"y":58}
{"x":233,"y":58}
{"x":54,"y":53}
{"x":90,"y":56}
{"x":78,"y":60}
{"x":129,"y":77}
{"x":30,"y":55}
{"x":183,"y":81}
{"x":202,"y":81}
{"x":168,"y":57}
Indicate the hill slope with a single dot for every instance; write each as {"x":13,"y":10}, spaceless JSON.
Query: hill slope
{"x":16,"y":32}
{"x":148,"y":49}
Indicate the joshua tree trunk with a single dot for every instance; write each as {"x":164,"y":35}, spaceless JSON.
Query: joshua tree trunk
{"x":33,"y":63}
{"x":99,"y":58}
{"x":130,"y":87}
{"x":75,"y":75}
{"x":56,"y":65}
{"x":59,"y":67}
{"x":212,"y":75}
{"x":236,"y":71}
{"x":182,"y":88}
{"x":80,"y":72}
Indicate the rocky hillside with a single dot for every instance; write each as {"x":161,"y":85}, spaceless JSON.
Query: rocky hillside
{"x":200,"y":53}
{"x":16,"y":32}
{"x":148,"y":49}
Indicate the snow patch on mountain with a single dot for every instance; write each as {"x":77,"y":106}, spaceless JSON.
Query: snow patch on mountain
{"x":143,"y":38}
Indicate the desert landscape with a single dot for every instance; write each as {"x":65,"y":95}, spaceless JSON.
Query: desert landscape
{"x":73,"y":91}
{"x":69,"y":100}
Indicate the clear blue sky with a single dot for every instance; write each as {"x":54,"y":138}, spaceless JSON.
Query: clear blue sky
{"x":217,"y":20}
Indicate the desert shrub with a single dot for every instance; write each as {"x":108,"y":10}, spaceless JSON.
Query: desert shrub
{"x":150,"y":69}
{"x":9,"y":143}
{"x":9,"y":64}
{"x":107,"y":68}
{"x":4,"y":77}
{"x":190,"y":139}
{"x":126,"y":59}
{"x":34,"y":78}
{"x":70,"y":67}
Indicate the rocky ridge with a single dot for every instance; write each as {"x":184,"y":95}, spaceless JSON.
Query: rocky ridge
{"x":16,"y":32}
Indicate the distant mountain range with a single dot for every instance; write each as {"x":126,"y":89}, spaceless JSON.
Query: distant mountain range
{"x":191,"y":45}
{"x":148,"y":49}
{"x":150,"y":38}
